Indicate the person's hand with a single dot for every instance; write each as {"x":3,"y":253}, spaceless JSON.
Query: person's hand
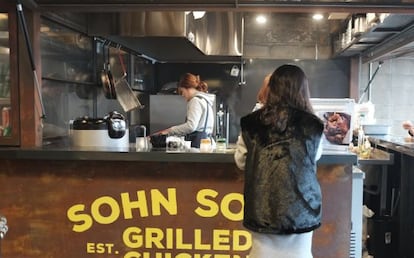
{"x":407,"y":125}
{"x":165,"y":131}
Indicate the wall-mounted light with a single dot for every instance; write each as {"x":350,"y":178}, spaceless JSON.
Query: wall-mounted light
{"x":198,"y":14}
{"x":317,"y":16}
{"x":261,"y":19}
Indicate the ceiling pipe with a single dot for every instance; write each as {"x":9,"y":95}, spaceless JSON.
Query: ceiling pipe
{"x":94,"y":6}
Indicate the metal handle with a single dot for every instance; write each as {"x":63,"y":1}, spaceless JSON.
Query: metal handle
{"x":121,"y":60}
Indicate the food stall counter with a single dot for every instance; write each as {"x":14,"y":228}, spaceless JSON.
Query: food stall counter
{"x":65,"y":202}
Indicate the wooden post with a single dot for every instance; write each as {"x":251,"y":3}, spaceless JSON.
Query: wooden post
{"x":30,"y":111}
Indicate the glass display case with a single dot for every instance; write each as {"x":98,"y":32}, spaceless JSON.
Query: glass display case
{"x":143,"y":75}
{"x":9,"y":106}
{"x":5,"y":128}
{"x":68,"y":77}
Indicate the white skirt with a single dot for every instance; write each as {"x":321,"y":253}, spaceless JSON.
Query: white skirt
{"x":281,"y":246}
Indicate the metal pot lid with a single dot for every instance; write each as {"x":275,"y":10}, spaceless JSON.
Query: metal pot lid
{"x":87,"y":123}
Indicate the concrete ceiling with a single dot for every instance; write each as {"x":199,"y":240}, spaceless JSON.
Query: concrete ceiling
{"x":279,"y":37}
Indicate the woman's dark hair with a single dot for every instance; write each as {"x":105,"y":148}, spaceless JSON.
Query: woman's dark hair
{"x":189,"y":80}
{"x":288,"y":88}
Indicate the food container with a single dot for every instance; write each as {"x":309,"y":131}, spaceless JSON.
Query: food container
{"x":376,"y":129}
{"x":158,"y":140}
{"x":175,"y":144}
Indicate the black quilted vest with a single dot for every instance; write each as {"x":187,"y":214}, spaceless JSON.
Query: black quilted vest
{"x":281,"y":192}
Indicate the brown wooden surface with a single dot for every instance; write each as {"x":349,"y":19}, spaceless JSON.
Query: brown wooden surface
{"x":30,"y":108}
{"x":35,"y":196}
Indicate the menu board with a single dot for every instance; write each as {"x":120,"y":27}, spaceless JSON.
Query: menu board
{"x":338,"y":117}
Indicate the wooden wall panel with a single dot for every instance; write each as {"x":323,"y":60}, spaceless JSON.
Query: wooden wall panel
{"x":200,"y":211}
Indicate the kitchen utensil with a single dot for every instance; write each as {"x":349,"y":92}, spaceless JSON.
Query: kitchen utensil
{"x":107,"y":82}
{"x":109,"y":131}
{"x":124,"y":93}
{"x":141,"y":140}
{"x":175,"y":144}
{"x":116,"y":123}
{"x":107,"y":78}
{"x":30,"y":52}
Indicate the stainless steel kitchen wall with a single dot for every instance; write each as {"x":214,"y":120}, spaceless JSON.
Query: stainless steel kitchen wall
{"x":327,"y":78}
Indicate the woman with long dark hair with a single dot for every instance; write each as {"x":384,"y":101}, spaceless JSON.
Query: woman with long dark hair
{"x":278,"y":148}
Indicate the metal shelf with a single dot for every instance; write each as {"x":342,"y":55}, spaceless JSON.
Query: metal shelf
{"x":384,"y":35}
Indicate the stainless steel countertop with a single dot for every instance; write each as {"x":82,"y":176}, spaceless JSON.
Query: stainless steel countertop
{"x":400,"y":144}
{"x":158,"y":155}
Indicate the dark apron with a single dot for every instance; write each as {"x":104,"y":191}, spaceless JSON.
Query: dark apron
{"x":195,"y":137}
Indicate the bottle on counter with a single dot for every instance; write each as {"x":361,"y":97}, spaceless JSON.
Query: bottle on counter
{"x":361,"y":134}
{"x":221,"y":141}
{"x":221,"y":145}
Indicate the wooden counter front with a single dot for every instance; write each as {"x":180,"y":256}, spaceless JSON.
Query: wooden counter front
{"x":119,"y":208}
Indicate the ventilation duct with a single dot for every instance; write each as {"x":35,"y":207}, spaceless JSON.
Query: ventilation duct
{"x":173,"y":36}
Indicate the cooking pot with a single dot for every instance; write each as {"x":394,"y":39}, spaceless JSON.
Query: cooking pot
{"x":110,"y":131}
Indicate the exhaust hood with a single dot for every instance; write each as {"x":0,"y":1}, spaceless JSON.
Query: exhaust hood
{"x":173,"y":36}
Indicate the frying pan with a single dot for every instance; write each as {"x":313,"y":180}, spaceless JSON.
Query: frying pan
{"x":108,"y":83}
{"x":107,"y":78}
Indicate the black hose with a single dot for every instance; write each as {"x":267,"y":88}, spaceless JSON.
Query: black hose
{"x":370,"y":81}
{"x":30,"y":52}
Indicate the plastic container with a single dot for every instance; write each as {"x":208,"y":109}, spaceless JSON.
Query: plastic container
{"x":205,"y":145}
{"x":376,"y":129}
